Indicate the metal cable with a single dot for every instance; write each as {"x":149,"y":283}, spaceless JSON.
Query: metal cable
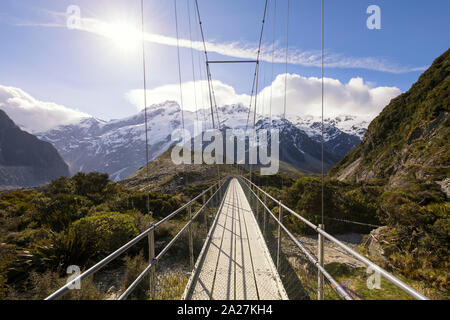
{"x":192,"y":59}
{"x":179,"y":66}
{"x":273,"y":57}
{"x":208,"y":74}
{"x":256,"y":74}
{"x":126,"y":246}
{"x":389,"y":277}
{"x":323,"y":171}
{"x":257,"y":61}
{"x":348,"y":221}
{"x":200,"y":74}
{"x":286,"y":62}
{"x":257,"y":81}
{"x":285,"y":83}
{"x":145,"y":103}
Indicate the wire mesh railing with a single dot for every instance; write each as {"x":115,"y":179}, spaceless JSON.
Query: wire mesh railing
{"x":303,"y":272}
{"x":173,"y":270}
{"x":170,"y":259}
{"x":236,"y":264}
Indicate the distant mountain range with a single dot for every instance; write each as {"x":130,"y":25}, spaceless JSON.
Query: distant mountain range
{"x":25,"y":160}
{"x":117,"y":147}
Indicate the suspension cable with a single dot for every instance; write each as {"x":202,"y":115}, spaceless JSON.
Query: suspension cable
{"x":214,"y":99}
{"x":210,"y":85}
{"x":179,"y":66}
{"x":208,"y":73}
{"x":256,"y":79}
{"x":257,"y":61}
{"x":286,"y":62}
{"x":285,"y":84}
{"x":192,"y":59}
{"x":145,"y":102}
{"x":323,"y":73}
{"x":274,"y":3}
{"x":273,"y":57}
{"x":202,"y":72}
{"x":200,"y":77}
{"x":256,"y":74}
{"x":251,"y":97}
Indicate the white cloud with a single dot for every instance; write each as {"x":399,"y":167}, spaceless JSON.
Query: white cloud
{"x":125,"y":33}
{"x":244,"y":51}
{"x":33,"y":115}
{"x":225,"y":94}
{"x":303,"y":96}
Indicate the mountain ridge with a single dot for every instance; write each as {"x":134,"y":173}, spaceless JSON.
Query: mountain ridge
{"x":24,"y":159}
{"x":409,"y":139}
{"x":117,"y":147}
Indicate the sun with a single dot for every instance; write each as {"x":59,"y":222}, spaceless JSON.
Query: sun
{"x":125,"y":36}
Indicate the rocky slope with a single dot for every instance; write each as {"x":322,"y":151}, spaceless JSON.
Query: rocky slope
{"x":409,"y":140}
{"x":25,"y":160}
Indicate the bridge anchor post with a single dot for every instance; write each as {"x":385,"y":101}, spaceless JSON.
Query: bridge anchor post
{"x":191,"y":241}
{"x":265,"y":214}
{"x":257,"y":206}
{"x":151,"y":256}
{"x":205,"y":213}
{"x":320,"y":255}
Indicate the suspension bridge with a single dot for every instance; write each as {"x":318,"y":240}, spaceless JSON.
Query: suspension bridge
{"x":235,"y":244}
{"x":243,"y":254}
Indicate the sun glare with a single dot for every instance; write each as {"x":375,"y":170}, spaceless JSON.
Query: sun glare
{"x":125,"y":36}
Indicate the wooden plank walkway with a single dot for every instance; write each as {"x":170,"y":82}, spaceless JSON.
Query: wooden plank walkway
{"x":235,"y":263}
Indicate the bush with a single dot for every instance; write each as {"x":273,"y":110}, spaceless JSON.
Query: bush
{"x":160,"y":204}
{"x":59,"y":211}
{"x":341,"y":201}
{"x":420,"y":236}
{"x":133,"y":268}
{"x":91,"y":237}
{"x":54,"y":253}
{"x":61,"y":185}
{"x":90,"y":183}
{"x":104,"y":232}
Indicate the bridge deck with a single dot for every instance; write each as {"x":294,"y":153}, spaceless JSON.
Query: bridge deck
{"x":235,"y":264}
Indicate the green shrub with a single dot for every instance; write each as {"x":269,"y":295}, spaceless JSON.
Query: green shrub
{"x":61,"y":185}
{"x":91,"y":237}
{"x":341,"y":201}
{"x":90,"y":183}
{"x":59,"y":211}
{"x":133,"y":268}
{"x":160,"y":204}
{"x":419,"y":242}
{"x":104,"y":232}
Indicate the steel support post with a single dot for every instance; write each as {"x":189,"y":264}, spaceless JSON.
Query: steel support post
{"x":320,"y":255}
{"x":191,"y":241}
{"x":151,"y":256}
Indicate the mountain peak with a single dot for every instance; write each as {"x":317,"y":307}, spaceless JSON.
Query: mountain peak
{"x":117,"y":147}
{"x":24,"y":159}
{"x":5,"y":120}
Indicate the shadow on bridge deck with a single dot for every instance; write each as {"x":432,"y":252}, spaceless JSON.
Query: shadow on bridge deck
{"x":235,"y":263}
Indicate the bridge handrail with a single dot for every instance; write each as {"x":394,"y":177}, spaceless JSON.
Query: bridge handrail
{"x":126,"y":246}
{"x":133,"y":285}
{"x":308,"y":254}
{"x":389,"y":277}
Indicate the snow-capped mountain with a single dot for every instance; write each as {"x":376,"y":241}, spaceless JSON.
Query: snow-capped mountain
{"x":117,"y":147}
{"x":355,"y":126}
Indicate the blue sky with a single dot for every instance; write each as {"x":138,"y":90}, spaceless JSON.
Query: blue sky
{"x":83,"y":70}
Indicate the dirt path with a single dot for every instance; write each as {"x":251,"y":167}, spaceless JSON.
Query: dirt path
{"x":333,"y":253}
